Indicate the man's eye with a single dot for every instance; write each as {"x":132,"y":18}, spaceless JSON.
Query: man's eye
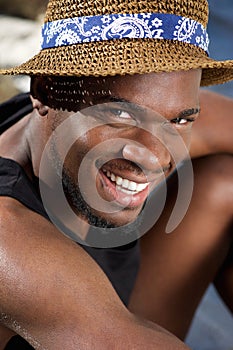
{"x":121,"y":114}
{"x":182,"y":121}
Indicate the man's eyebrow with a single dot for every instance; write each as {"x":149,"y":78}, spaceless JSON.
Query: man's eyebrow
{"x":183,"y":114}
{"x":188,"y":112}
{"x":111,"y":98}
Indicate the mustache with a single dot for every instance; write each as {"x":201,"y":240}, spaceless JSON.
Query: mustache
{"x":127,"y":165}
{"x":121,"y":164}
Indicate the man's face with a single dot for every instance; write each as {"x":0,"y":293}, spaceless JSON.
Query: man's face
{"x":139,"y":124}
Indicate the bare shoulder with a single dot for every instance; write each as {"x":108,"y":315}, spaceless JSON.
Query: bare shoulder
{"x":18,"y":223}
{"x":55,"y":296}
{"x":47,"y":281}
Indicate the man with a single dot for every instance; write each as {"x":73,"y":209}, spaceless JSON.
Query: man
{"x":111,"y":119}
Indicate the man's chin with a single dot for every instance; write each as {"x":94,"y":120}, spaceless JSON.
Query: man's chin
{"x":105,"y":230}
{"x":117,"y":220}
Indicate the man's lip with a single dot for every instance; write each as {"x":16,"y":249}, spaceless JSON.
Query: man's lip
{"x":123,"y":168}
{"x":141,"y":178}
{"x":134,"y":172}
{"x":127,"y":200}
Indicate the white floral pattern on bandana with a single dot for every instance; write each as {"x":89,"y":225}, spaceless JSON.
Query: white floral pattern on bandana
{"x":118,"y":26}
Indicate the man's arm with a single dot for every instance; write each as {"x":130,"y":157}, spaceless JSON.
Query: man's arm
{"x":213,"y":131}
{"x":56,"y":297}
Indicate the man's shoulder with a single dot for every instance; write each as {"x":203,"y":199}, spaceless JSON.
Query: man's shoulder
{"x":16,"y":220}
{"x":10,"y":208}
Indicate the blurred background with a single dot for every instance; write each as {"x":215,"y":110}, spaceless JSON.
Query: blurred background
{"x":20,"y":26}
{"x":23,"y":8}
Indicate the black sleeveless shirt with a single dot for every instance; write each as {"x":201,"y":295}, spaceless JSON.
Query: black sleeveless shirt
{"x":119,"y":264}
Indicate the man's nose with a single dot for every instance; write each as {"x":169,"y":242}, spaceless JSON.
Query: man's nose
{"x":152,"y":159}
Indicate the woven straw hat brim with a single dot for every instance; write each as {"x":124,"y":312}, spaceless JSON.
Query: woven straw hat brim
{"x":135,"y":56}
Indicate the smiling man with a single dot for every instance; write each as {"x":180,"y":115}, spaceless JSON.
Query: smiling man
{"x":126,"y":152}
{"x":114,"y":95}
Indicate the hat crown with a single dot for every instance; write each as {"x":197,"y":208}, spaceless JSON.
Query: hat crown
{"x":70,"y":49}
{"x":194,"y":9}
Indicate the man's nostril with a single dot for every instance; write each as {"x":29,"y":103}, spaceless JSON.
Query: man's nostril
{"x":142,"y":156}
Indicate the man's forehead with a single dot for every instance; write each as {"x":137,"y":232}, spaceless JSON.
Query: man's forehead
{"x":149,"y":90}
{"x":91,"y":82}
{"x":71,"y":81}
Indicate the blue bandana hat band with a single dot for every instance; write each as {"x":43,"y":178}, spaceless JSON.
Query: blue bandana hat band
{"x":118,"y":26}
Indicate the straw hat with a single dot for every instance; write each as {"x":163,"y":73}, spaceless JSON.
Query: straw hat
{"x":109,"y":37}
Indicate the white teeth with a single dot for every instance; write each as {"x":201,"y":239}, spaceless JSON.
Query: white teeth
{"x":132,"y":186}
{"x":141,"y":187}
{"x":119,"y":180}
{"x":125,"y":185}
{"x":124,"y":190}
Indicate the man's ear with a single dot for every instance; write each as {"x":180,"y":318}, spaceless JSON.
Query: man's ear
{"x":42,"y":109}
{"x":39,"y":94}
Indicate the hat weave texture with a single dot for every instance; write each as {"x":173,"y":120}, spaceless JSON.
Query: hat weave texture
{"x":126,"y":56}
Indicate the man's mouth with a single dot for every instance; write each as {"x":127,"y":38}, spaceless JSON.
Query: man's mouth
{"x":123,"y":190}
{"x":125,"y":185}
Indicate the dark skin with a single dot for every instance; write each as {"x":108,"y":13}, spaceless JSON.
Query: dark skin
{"x":58,"y":321}
{"x":181,"y":265}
